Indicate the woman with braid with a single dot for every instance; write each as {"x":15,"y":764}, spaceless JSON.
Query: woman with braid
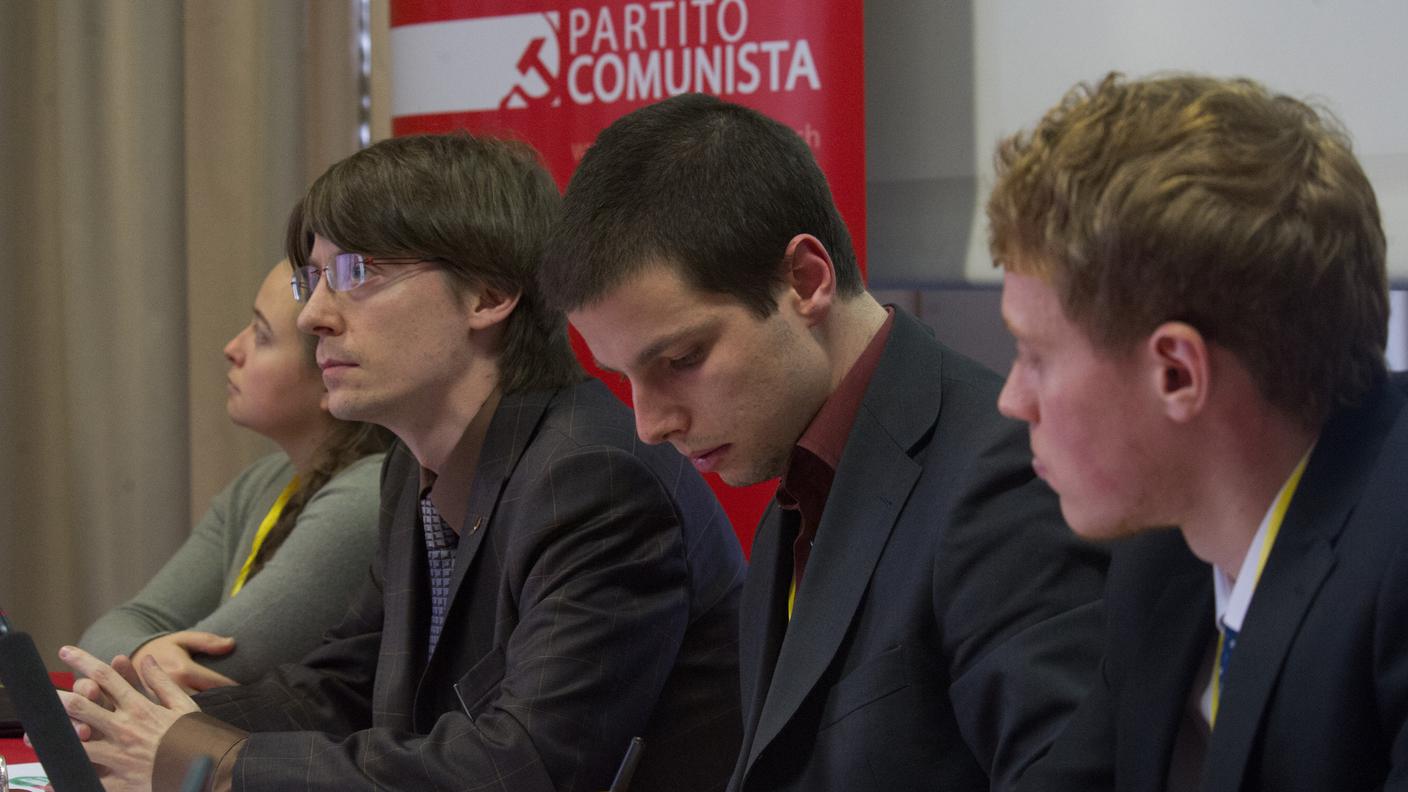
{"x":284,"y":547}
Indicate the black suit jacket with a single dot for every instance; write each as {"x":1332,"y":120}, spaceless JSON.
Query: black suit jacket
{"x":1316,"y":693}
{"x":595,"y":600}
{"x":949,"y":620}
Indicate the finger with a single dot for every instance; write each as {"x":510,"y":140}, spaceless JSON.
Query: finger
{"x":202,"y":678}
{"x":168,"y":693}
{"x":81,"y":710}
{"x":122,"y":664}
{"x":205,"y":642}
{"x":113,"y":685}
{"x":89,"y":689}
{"x":83,"y":730}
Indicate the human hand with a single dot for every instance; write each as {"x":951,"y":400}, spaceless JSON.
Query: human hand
{"x":122,"y":741}
{"x":173,"y":653}
{"x":90,"y":690}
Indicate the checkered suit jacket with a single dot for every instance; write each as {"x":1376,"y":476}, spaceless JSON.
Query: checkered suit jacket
{"x":596,"y":599}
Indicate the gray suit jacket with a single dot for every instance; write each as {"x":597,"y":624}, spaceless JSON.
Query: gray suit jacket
{"x":595,"y":600}
{"x":949,"y":620}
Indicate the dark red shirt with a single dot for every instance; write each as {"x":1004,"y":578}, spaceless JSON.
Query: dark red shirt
{"x":806,"y":484}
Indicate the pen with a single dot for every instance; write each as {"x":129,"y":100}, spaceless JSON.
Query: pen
{"x":628,"y":765}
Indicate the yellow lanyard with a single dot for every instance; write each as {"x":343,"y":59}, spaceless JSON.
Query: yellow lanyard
{"x":259,"y":536}
{"x":1273,"y":529}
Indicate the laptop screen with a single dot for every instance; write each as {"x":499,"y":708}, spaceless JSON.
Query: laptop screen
{"x":38,"y":708}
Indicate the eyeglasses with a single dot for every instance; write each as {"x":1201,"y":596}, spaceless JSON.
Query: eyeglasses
{"x":346,"y":272}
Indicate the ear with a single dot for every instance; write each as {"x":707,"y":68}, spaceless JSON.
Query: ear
{"x":1181,"y":370}
{"x":489,"y":307}
{"x":810,"y":277}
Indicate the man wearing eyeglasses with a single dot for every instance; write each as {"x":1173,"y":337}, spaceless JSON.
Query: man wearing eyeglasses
{"x":545,"y":587}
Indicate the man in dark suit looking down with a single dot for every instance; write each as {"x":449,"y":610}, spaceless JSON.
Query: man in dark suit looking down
{"x":916,"y":615}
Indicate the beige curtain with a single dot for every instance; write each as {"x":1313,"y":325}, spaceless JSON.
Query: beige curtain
{"x":149,"y":153}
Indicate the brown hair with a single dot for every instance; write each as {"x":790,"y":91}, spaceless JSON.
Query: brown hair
{"x":347,"y":442}
{"x":479,"y":205}
{"x":714,"y":189}
{"x":1212,"y":202}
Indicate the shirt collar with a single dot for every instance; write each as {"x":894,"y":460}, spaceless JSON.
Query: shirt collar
{"x":825,"y":437}
{"x":449,"y":487}
{"x":1235,"y":598}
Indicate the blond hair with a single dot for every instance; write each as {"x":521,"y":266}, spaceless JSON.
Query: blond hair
{"x":1212,"y":202}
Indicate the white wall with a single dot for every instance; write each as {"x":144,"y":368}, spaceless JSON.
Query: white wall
{"x":969,"y":320}
{"x":945,"y":80}
{"x":1398,"y":331}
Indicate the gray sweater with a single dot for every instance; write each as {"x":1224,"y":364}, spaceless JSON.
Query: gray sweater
{"x":282,"y":612}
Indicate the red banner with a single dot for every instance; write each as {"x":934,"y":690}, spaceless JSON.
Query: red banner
{"x":556,"y":73}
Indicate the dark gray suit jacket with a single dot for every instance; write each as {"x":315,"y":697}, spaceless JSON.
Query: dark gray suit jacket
{"x":949,"y":621}
{"x":596,"y":600}
{"x":1316,"y":693}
